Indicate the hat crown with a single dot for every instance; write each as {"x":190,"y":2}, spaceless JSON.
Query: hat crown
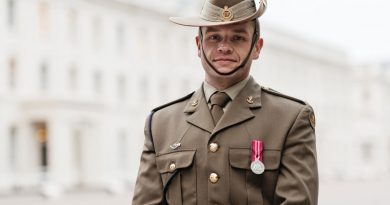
{"x":223,"y":3}
{"x":240,"y":10}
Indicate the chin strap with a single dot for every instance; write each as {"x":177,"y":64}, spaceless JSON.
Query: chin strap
{"x":254,"y":39}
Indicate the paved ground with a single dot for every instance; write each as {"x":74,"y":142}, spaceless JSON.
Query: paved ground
{"x":357,"y":193}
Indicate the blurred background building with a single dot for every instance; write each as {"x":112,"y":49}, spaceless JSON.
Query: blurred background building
{"x":78,"y":78}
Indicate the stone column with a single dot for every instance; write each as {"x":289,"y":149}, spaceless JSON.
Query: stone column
{"x":59,"y":151}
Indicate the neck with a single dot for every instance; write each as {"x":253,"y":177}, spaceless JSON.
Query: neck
{"x":223,"y":83}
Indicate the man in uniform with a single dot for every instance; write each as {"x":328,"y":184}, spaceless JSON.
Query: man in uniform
{"x":232,"y":141}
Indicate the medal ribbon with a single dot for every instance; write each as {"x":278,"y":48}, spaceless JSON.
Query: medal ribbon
{"x":257,"y":150}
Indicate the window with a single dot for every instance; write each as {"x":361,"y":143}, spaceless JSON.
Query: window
{"x":43,"y":17}
{"x":122,"y":150}
{"x":73,"y":29}
{"x":43,"y":77}
{"x":366,"y":152}
{"x":96,"y":32}
{"x":77,"y":150}
{"x":388,"y":153}
{"x":122,"y":87}
{"x":73,"y":83}
{"x":12,"y":148}
{"x":366,"y":95}
{"x":142,"y":43}
{"x":11,"y":13}
{"x":120,"y":37}
{"x":12,"y":73}
{"x":97,"y":81}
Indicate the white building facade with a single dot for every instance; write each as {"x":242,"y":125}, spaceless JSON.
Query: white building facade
{"x":78,"y":77}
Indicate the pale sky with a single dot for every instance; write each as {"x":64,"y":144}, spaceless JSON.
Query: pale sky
{"x":361,"y":27}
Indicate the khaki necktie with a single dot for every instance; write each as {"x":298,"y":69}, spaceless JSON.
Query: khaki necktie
{"x":218,"y":100}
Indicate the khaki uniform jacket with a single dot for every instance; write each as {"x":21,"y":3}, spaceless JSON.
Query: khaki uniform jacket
{"x":177,"y":158}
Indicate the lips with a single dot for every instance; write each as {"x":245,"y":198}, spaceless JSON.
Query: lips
{"x":224,"y":60}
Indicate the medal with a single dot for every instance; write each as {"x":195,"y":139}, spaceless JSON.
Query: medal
{"x":257,"y":165}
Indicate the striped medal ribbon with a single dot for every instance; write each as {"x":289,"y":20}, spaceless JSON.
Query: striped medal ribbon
{"x":257,"y":165}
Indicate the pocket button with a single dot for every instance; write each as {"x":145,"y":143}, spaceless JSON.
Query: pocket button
{"x":172,"y":166}
{"x":213,"y":147}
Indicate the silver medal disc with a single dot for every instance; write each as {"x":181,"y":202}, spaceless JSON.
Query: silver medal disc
{"x":257,"y":167}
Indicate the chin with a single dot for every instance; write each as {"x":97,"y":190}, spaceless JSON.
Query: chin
{"x":224,"y":69}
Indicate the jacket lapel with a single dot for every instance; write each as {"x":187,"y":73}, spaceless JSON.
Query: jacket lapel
{"x":240,"y":108}
{"x":198,"y":111}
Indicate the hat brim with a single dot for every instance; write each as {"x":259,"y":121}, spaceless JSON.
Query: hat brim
{"x":200,"y":22}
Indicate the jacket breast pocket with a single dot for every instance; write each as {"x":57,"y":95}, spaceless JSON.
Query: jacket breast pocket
{"x":181,"y":185}
{"x":245,"y":186}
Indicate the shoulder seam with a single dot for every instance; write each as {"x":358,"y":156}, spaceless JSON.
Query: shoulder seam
{"x":274,"y":92}
{"x":172,"y":102}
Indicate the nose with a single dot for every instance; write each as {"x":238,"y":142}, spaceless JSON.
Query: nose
{"x":225,"y":48}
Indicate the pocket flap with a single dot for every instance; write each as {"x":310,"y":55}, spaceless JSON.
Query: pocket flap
{"x":180,"y":159}
{"x":241,"y":158}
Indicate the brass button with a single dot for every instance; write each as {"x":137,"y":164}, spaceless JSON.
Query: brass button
{"x":172,"y":166}
{"x":213,"y":147}
{"x":312,"y":120}
{"x":214,"y":178}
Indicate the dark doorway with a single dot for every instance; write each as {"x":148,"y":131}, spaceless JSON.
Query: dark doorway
{"x":42,"y":137}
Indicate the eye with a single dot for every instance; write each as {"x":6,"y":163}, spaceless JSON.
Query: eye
{"x":214,"y":38}
{"x":238,"y":38}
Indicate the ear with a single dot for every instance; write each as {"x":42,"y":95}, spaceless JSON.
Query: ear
{"x":258,"y":47}
{"x":197,"y":40}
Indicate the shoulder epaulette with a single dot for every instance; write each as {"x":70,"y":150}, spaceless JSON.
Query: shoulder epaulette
{"x":274,"y":92}
{"x":173,"y":102}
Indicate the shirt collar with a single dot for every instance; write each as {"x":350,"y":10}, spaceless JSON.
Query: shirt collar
{"x":232,"y":91}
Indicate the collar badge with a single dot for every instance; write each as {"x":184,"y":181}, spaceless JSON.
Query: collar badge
{"x":249,"y":100}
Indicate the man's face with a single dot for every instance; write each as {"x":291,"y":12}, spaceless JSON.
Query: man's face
{"x":226,"y":47}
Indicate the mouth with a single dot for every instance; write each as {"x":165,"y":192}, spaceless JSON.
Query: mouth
{"x":224,"y":60}
{"x":224,"y":65}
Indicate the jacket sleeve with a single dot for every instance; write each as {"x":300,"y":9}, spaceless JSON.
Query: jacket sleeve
{"x":297,"y":182}
{"x":148,"y":187}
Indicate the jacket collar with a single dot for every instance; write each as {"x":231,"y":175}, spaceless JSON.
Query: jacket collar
{"x":240,"y":109}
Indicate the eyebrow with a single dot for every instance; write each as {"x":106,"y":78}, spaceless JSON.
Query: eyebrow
{"x":240,"y":30}
{"x":210,"y":29}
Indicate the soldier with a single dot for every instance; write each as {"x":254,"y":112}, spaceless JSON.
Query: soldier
{"x":232,"y":141}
